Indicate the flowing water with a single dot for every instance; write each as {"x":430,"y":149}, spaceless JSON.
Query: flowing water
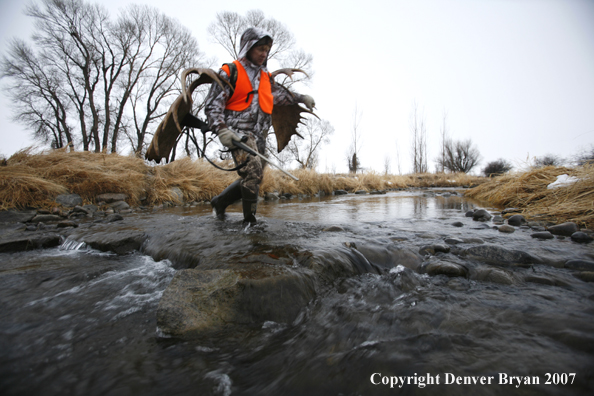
{"x":76,"y":321}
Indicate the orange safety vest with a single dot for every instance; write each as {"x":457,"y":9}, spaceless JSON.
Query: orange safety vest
{"x":243,"y":94}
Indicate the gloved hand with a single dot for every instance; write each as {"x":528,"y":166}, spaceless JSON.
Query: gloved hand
{"x":309,"y":102}
{"x":227,"y":136}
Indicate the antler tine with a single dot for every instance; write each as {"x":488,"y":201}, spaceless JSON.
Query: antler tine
{"x":184,"y":76}
{"x":303,"y":109}
{"x":288,"y":71}
{"x":206,"y":76}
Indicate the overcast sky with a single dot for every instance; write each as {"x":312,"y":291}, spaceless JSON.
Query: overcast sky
{"x":514,"y":76}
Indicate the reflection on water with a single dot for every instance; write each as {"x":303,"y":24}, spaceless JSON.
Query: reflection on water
{"x":364,"y":208}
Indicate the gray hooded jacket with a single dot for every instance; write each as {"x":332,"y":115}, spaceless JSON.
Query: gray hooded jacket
{"x":251,"y":120}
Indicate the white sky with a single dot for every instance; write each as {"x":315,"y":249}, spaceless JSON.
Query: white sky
{"x":515,"y":76}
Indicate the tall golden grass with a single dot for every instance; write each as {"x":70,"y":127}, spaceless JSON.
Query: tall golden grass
{"x":31,"y":179}
{"x":528,"y":192}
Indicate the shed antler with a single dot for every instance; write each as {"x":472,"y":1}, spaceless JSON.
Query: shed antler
{"x":286,"y":119}
{"x":170,"y":128}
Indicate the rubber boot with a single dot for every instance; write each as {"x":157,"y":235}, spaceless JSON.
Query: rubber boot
{"x":250,"y":202}
{"x":231,"y":194}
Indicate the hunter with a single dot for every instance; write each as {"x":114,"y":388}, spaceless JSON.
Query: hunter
{"x":247,"y":111}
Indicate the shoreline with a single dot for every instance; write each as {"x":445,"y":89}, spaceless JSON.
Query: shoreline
{"x":35,"y":180}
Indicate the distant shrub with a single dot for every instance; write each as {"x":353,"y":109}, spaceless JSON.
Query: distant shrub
{"x":585,"y":157}
{"x":496,"y":168}
{"x":548,"y":160}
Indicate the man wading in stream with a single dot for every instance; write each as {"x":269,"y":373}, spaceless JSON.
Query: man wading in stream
{"x":247,"y":111}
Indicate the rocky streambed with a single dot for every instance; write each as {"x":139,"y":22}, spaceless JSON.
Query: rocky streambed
{"x":317,"y":298}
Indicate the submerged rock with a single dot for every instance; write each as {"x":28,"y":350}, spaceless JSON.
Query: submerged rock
{"x":333,"y":229}
{"x":580,"y":265}
{"x":20,"y":242}
{"x":501,"y":256}
{"x":199,"y":302}
{"x":446,"y":268}
{"x":388,"y":257}
{"x":69,"y":200}
{"x":17,"y":216}
{"x":543,"y":235}
{"x":586,"y":276}
{"x":494,"y":275}
{"x":120,"y":241}
{"x":433,"y":249}
{"x":45,"y":218}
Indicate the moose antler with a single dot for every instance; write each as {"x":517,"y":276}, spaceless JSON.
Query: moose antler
{"x":170,"y":128}
{"x":286,"y":119}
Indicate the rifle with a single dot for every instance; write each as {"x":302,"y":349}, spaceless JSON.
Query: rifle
{"x":242,"y":146}
{"x":191,"y":121}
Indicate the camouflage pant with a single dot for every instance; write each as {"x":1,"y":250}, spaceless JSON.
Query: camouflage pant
{"x":253,"y":171}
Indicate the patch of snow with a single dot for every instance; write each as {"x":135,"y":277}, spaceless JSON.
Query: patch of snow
{"x":562,"y":181}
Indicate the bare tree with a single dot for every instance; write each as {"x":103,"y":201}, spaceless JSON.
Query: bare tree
{"x":170,"y":48}
{"x":387,"y":165}
{"x":460,"y":156}
{"x":398,"y":157}
{"x":419,"y":141}
{"x":444,"y":138}
{"x":315,"y":133}
{"x":228,"y":27}
{"x":352,"y":157}
{"x":87,"y":75}
{"x":35,"y":89}
{"x":64,"y":34}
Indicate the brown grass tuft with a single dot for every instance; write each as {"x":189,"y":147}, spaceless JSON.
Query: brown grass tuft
{"x":84,"y":173}
{"x":198,"y":180}
{"x":528,"y":191}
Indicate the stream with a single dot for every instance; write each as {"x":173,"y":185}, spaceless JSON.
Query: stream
{"x":75,"y":320}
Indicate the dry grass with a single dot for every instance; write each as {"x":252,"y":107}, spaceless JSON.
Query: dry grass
{"x":83,"y":173}
{"x":31,"y":179}
{"x":198,"y":180}
{"x":528,"y":192}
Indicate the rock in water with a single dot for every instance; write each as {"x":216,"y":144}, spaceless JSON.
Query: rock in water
{"x":581,"y":237}
{"x":565,"y":229}
{"x":446,"y":268}
{"x":199,"y":302}
{"x":481,"y":215}
{"x":501,"y":256}
{"x":69,"y":200}
{"x":507,"y":229}
{"x":111,"y":197}
{"x":580,"y":265}
{"x":516,"y":220}
{"x":542,"y":235}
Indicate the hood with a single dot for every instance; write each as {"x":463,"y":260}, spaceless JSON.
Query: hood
{"x":249,"y":38}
